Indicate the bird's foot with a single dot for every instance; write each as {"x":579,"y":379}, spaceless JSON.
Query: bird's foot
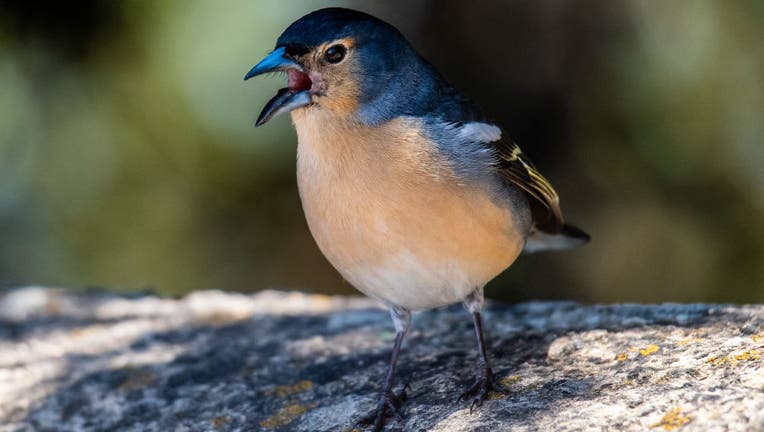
{"x":389,"y":404}
{"x":479,"y":391}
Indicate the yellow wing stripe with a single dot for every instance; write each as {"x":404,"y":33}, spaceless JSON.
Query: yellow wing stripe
{"x":525,"y":176}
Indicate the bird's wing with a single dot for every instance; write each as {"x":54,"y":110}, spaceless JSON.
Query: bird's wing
{"x":459,"y":114}
{"x":516,"y":168}
{"x":474,"y":138}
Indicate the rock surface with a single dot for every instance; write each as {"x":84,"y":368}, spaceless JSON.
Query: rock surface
{"x":276,"y":361}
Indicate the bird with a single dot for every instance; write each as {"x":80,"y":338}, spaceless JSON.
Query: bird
{"x":410,"y":191}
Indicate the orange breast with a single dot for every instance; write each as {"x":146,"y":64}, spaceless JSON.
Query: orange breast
{"x":388,"y":212}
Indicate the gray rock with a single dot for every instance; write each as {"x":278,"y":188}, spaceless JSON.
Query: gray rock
{"x":276,"y":361}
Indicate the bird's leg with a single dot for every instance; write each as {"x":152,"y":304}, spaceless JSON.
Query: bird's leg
{"x":484,"y":380}
{"x":389,"y":402}
{"x":483,"y":377}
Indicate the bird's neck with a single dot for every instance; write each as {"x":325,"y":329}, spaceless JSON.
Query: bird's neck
{"x":338,"y":147}
{"x":328,"y":139}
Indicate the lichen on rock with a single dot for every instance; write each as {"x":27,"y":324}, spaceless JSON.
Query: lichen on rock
{"x":276,"y":361}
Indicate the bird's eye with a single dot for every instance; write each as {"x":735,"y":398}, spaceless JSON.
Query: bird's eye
{"x":335,"y":53}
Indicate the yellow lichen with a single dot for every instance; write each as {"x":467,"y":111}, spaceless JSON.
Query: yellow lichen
{"x":323,"y":300}
{"x":531,"y":387}
{"x":621,"y":356}
{"x":495,"y":395}
{"x":286,"y":390}
{"x":663,"y":379}
{"x":672,"y":420}
{"x":758,"y":337}
{"x":688,"y":341}
{"x":509,"y":380}
{"x":223,"y":318}
{"x":220,"y":421}
{"x":284,"y":416}
{"x":650,"y":349}
{"x":137,"y":379}
{"x":747,"y":355}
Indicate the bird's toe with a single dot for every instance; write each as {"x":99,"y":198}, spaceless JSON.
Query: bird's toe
{"x":481,"y":389}
{"x":389,"y":405}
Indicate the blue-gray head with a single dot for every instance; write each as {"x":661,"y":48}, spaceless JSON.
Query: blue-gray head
{"x":351,"y":63}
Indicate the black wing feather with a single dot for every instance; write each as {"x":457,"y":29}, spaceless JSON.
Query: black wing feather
{"x":517,"y":169}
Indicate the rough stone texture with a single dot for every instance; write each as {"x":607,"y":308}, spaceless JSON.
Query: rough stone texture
{"x":276,"y":361}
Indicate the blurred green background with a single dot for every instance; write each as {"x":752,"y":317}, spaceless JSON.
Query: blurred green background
{"x":128,"y":157}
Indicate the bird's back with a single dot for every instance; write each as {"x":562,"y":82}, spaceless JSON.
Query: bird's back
{"x":481,"y":149}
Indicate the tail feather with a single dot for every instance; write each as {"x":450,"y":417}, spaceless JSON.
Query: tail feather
{"x":569,"y":237}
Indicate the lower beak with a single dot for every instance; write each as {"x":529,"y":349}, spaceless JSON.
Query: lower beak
{"x":287,"y":99}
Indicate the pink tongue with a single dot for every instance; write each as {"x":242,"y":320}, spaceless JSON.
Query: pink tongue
{"x":298,"y":81}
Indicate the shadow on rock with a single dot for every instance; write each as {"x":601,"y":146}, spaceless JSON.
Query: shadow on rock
{"x":322,"y":372}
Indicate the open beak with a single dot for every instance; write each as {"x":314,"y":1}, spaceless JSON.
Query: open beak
{"x":296,"y":95}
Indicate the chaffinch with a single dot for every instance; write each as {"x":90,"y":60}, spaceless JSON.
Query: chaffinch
{"x":409,"y":190}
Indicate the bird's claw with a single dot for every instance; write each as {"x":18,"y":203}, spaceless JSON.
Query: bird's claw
{"x":480,"y":390}
{"x":389,"y":404}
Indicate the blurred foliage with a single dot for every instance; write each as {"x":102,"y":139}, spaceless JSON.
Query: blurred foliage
{"x":128,"y":157}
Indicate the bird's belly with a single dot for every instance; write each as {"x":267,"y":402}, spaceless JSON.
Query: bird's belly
{"x":410,"y":239}
{"x":414,"y":252}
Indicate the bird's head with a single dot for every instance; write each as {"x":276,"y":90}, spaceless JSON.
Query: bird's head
{"x":347,"y":62}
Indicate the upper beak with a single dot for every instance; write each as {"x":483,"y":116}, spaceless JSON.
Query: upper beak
{"x":273,"y":62}
{"x":287,"y":99}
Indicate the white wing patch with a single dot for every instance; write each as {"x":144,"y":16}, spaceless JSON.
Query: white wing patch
{"x":480,"y":132}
